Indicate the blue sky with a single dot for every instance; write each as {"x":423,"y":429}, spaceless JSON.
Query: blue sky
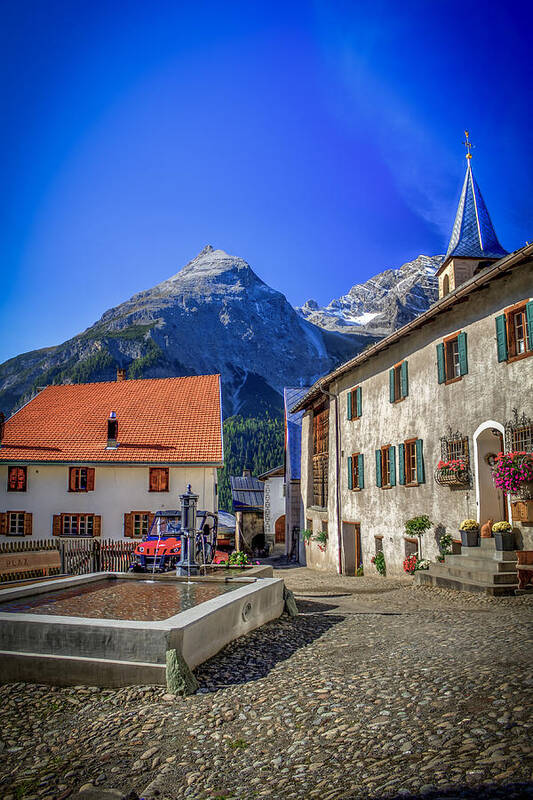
{"x":320,"y":141}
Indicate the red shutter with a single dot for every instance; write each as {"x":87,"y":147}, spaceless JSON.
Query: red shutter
{"x":28,"y":524}
{"x":128,"y":525}
{"x":97,"y":526}
{"x":56,"y":525}
{"x":72,"y":479}
{"x":90,"y":480}
{"x":12,"y":479}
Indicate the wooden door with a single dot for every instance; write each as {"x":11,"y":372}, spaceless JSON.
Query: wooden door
{"x":351,"y":544}
{"x":279,"y":530}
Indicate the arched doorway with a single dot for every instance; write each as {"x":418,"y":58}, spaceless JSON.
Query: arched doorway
{"x":491,"y":502}
{"x":279,"y":530}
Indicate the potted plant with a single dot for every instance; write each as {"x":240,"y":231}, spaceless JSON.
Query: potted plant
{"x":469,"y":530}
{"x":321,"y":538}
{"x":513,"y":474}
{"x":445,"y":546}
{"x":306,"y":535}
{"x":379,"y":562}
{"x":503,"y":535}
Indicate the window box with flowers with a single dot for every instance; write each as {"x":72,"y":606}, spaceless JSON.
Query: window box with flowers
{"x":513,"y":474}
{"x":503,"y":535}
{"x":452,"y":473}
{"x":469,"y":530}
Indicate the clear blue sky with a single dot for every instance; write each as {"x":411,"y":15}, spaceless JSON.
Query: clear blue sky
{"x":321,"y":141}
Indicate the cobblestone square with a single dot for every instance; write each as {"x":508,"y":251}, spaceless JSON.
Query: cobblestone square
{"x":377,"y":689}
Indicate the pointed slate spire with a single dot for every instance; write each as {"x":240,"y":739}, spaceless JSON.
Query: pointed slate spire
{"x":473,"y":235}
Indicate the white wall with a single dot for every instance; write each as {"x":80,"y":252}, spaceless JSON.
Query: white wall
{"x":117,"y":490}
{"x":274,"y":505}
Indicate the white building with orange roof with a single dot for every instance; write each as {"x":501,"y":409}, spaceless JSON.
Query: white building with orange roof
{"x":98,"y":459}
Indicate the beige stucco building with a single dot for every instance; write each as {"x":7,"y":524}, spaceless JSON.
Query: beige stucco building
{"x":455,"y":383}
{"x":90,"y":460}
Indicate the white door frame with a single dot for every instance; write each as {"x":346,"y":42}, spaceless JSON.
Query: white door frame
{"x":490,"y":423}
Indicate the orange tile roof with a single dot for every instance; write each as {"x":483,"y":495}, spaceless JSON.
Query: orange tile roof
{"x":163,"y":420}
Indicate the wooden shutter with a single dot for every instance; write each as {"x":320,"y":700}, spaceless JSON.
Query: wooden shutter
{"x":150,"y":520}
{"x":441,"y":365}
{"x":501,"y":337}
{"x":349,"y":404}
{"x":359,"y":401}
{"x":378,"y":467}
{"x":401,"y":464}
{"x":154,"y":480}
{"x":90,"y":480}
{"x":72,"y":479}
{"x":419,"y":462}
{"x":163,"y":482}
{"x":392,"y":463}
{"x":404,"y":381}
{"x":28,"y":524}
{"x":350,"y":472}
{"x":128,"y":525}
{"x":391,"y":386}
{"x":361,"y":470}
{"x":56,"y":525}
{"x":463,"y":357}
{"x":529,"y":325}
{"x":3,"y":524}
{"x":97,"y":525}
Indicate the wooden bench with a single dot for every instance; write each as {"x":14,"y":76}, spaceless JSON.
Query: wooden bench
{"x":22,"y":563}
{"x":524,"y":567}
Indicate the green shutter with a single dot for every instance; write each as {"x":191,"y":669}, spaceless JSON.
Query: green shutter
{"x":359,"y":401}
{"x":404,"y":381}
{"x":529,"y":324}
{"x":391,"y":385}
{"x":401,"y":464}
{"x":350,"y":473}
{"x":349,"y":404}
{"x":378,"y":467}
{"x":463,"y":358}
{"x":392,"y":462}
{"x":361,"y":470}
{"x":441,"y":368}
{"x":419,"y":462}
{"x":501,"y":337}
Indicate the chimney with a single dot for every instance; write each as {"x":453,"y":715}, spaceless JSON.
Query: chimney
{"x":112,"y":431}
{"x":246,"y":473}
{"x":121,"y":374}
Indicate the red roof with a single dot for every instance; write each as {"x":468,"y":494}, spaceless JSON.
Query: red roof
{"x":163,"y":420}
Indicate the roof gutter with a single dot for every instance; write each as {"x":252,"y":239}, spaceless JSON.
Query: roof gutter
{"x":492,"y":271}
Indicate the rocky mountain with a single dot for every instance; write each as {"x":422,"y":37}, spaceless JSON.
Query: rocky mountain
{"x":382,"y":304}
{"x":214,"y":315}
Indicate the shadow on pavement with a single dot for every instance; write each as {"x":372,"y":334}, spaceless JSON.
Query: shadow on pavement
{"x":493,"y":791}
{"x":253,"y":656}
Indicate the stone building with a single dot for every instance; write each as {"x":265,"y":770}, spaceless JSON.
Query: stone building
{"x":98,"y":459}
{"x":247,"y":496}
{"x":455,"y":383}
{"x":294,"y":510}
{"x":274,"y":507}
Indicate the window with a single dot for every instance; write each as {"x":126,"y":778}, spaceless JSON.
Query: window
{"x":452,"y":360}
{"x":378,"y":544}
{"x":356,"y":472}
{"x":410,"y":463}
{"x":158,"y":479}
{"x":514,"y":332}
{"x":411,"y":547}
{"x":81,"y":479}
{"x":320,"y":457}
{"x":354,"y":403}
{"x":398,"y":382}
{"x":16,"y":523}
{"x":445,"y":285}
{"x":16,"y":479}
{"x":137,"y":524}
{"x":522,"y":438}
{"x":77,"y":525}
{"x":386,"y":467}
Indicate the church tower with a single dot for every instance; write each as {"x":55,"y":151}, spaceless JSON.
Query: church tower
{"x":473,"y":243}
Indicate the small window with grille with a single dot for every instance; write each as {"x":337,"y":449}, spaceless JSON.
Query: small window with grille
{"x":522,"y":438}
{"x":378,"y":544}
{"x":411,"y":547}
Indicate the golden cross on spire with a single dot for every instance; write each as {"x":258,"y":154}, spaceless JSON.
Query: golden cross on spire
{"x":468,"y":144}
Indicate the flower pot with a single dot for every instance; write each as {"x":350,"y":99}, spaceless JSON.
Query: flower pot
{"x":470,"y":538}
{"x":504,"y":540}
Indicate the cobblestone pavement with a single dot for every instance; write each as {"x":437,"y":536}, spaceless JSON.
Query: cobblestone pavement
{"x":378,"y":689}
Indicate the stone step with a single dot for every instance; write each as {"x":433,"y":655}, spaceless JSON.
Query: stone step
{"x":484,"y":576}
{"x":487,"y":554}
{"x":424,"y":578}
{"x":481,"y":562}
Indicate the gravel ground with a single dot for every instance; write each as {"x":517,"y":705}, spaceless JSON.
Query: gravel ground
{"x":378,"y":689}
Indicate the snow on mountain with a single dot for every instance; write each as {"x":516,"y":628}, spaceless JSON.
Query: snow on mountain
{"x":383,"y":303}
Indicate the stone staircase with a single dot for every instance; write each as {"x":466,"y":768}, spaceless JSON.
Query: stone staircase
{"x":476,"y":569}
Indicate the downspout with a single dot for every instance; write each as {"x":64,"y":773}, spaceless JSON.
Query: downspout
{"x":338,"y":473}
